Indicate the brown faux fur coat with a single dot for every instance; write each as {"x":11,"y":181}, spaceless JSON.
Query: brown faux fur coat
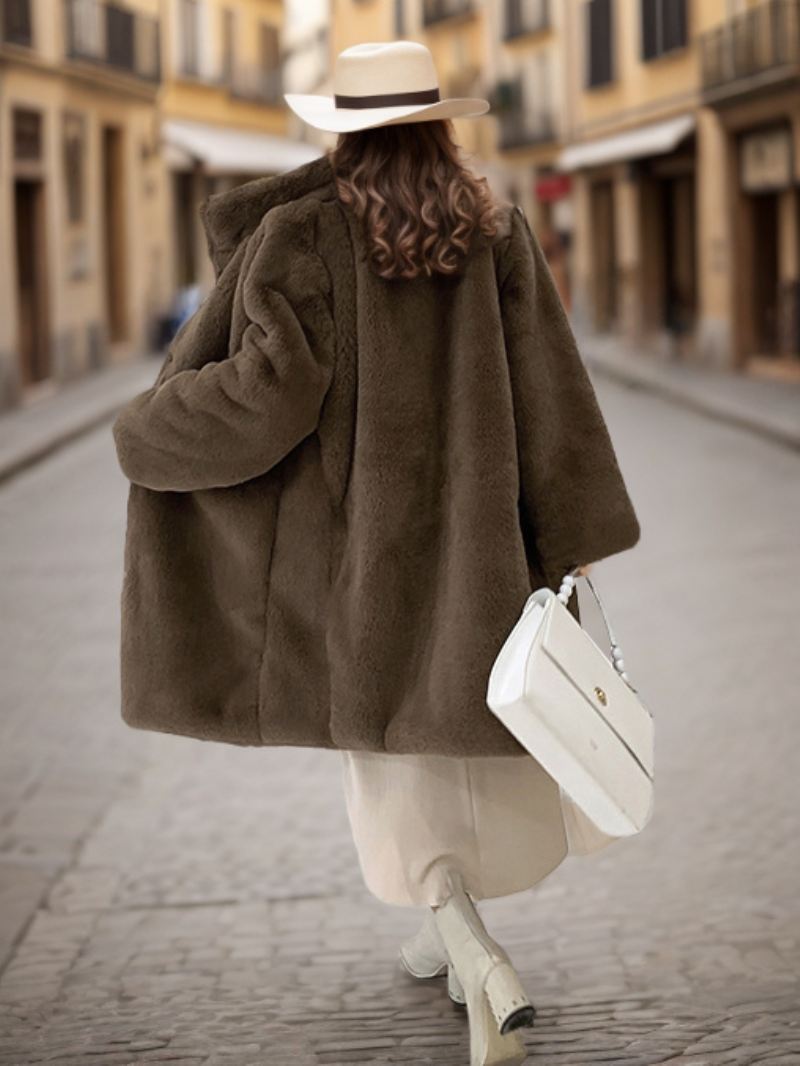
{"x":344,"y":487}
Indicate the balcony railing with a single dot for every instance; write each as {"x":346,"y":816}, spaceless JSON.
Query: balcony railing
{"x":526,"y":16}
{"x":520,"y":124}
{"x":439,"y":10}
{"x":111,"y":36}
{"x":260,"y":86}
{"x":526,"y":128}
{"x":761,"y":42}
{"x":15,"y":22}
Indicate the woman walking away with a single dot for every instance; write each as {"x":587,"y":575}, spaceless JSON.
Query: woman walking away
{"x":369,"y":444}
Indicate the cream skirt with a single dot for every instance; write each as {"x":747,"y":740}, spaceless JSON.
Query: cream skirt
{"x":501,"y":820}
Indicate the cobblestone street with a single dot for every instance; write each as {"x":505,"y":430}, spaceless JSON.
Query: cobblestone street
{"x":167,"y":900}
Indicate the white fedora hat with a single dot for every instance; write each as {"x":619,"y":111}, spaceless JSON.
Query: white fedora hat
{"x":379,"y":83}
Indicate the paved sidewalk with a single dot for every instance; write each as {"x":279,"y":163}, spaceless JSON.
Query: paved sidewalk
{"x":30,"y":433}
{"x":769,"y":408}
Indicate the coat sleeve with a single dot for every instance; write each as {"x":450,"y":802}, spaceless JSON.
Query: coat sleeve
{"x":236,"y":416}
{"x":574,"y":504}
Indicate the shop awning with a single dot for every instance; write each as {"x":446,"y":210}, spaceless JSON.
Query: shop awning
{"x":222,"y":150}
{"x":654,"y":139}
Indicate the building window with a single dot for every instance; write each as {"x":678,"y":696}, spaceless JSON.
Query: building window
{"x":526,"y":16}
{"x":524,"y":104}
{"x":74,"y":165}
{"x":228,"y":45}
{"x":189,"y":37}
{"x":16,"y":22}
{"x":120,"y":37}
{"x":599,"y":43}
{"x":27,"y":126}
{"x":664,"y":27}
{"x":438,"y":10}
{"x":85,"y":37}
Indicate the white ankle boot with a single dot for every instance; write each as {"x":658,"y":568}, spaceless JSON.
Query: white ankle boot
{"x":424,"y":955}
{"x":497,"y":1004}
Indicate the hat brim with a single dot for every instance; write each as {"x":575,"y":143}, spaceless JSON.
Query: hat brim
{"x":321,"y":112}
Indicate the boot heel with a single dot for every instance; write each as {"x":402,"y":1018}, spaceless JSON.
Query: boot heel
{"x":507,"y":999}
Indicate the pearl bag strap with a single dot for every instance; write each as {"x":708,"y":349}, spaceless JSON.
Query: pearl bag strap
{"x":563,"y":595}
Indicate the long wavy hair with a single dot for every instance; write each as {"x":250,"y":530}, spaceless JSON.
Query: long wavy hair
{"x":419,"y":203}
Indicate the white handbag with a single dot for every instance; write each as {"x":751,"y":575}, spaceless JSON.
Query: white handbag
{"x":576,"y":711}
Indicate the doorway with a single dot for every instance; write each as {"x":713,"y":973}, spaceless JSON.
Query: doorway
{"x":764,"y":223}
{"x":114,"y":221}
{"x":185,"y":229}
{"x":604,"y":255}
{"x":680,"y":275}
{"x":31,"y":261}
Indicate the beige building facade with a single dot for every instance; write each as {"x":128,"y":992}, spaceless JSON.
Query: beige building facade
{"x":683,"y":126}
{"x":117,"y":119}
{"x":527,"y":92}
{"x":750,"y":96}
{"x":82,"y":244}
{"x":224,"y":117}
{"x":654,"y":144}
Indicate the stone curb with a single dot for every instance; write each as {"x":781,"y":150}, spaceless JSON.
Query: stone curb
{"x":651,"y":378}
{"x":29,"y":435}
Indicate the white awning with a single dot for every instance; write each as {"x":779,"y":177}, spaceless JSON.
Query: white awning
{"x":221,"y":150}
{"x":655,"y":139}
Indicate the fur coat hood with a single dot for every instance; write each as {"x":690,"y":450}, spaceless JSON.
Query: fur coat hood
{"x":343,"y":487}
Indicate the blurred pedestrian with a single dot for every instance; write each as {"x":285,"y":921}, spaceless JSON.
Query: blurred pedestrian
{"x":369,"y":444}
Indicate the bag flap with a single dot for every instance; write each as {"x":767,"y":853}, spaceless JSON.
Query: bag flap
{"x":592,"y":673}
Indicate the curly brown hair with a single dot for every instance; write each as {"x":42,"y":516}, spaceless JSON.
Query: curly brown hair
{"x":419,"y":202}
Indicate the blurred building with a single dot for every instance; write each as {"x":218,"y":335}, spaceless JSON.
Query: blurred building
{"x":307,"y":56}
{"x":527,"y":93}
{"x":654,"y":144}
{"x":82,"y":241}
{"x":457,"y":33}
{"x":224,"y":117}
{"x":750,"y":194}
{"x":683,"y":127}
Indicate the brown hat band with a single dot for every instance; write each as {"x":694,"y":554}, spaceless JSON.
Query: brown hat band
{"x":423,"y":96}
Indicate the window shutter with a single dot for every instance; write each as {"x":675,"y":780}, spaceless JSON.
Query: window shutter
{"x":599,"y":45}
{"x":674,"y":27}
{"x":649,"y":12}
{"x":664,"y":27}
{"x":16,"y":15}
{"x":120,"y":38}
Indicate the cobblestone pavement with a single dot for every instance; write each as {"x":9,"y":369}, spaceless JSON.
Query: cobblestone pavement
{"x":165,"y":900}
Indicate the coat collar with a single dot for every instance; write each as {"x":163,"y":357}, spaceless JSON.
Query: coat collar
{"x":231,"y":216}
